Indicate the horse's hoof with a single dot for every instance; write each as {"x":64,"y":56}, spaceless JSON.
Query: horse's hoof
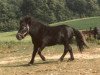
{"x":44,"y":59}
{"x":61,"y":59}
{"x":70,"y":59}
{"x":30,"y":64}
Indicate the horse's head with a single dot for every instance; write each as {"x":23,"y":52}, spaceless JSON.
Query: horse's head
{"x":24,"y":28}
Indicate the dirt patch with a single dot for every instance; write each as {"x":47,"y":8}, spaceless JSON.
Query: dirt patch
{"x":85,"y":55}
{"x":26,"y":58}
{"x":86,"y":63}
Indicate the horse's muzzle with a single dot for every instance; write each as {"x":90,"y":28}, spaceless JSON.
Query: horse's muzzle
{"x":19,"y":36}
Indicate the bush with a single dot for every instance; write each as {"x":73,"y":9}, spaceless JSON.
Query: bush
{"x":9,"y":26}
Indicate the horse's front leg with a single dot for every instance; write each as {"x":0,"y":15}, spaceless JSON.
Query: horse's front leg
{"x":40,"y":54}
{"x":33,"y":55}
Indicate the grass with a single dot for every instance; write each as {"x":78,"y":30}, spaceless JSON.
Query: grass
{"x":10,"y":45}
{"x":10,"y":37}
{"x":84,"y":23}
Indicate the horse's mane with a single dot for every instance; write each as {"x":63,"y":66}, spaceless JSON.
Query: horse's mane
{"x":28,"y":18}
{"x":32,"y":19}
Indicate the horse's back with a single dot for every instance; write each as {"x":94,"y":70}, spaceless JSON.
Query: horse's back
{"x":57,"y":35}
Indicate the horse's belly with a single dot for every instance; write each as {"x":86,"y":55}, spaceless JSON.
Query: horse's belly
{"x":55,"y":42}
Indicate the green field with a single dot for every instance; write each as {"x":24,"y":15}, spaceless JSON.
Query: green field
{"x":84,"y":23}
{"x":11,"y":37}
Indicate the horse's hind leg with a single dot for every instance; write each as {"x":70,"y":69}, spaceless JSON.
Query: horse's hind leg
{"x":71,"y":53}
{"x":40,"y":54}
{"x":65,"y":52}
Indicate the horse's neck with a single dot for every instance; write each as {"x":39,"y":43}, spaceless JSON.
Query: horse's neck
{"x":36,"y":30}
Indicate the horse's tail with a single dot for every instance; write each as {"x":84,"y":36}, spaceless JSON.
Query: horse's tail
{"x":81,"y":42}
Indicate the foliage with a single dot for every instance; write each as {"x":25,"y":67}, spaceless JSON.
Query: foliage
{"x":82,"y":7}
{"x":47,"y":11}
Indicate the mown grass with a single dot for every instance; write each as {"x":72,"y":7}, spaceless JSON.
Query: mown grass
{"x":84,"y":23}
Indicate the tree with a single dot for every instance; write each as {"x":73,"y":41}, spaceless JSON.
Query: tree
{"x":28,"y":7}
{"x":7,"y":16}
{"x":46,"y":11}
{"x":82,"y":7}
{"x":91,"y":7}
{"x":98,"y":2}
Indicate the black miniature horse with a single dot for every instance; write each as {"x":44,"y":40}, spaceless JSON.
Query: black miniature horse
{"x":96,"y":32}
{"x":43,"y":36}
